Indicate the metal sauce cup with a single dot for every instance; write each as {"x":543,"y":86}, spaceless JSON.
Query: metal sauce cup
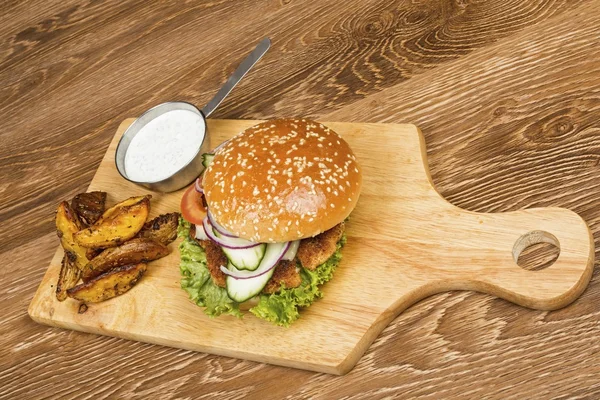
{"x":185,"y":174}
{"x":192,"y":169}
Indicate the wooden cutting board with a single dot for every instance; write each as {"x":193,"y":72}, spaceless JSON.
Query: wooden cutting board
{"x":405,"y":242}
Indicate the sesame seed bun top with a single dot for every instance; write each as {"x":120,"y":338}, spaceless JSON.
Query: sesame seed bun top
{"x":282,"y":180}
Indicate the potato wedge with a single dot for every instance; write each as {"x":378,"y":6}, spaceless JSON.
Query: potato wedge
{"x":89,"y":206}
{"x":108,"y":285}
{"x":68,"y":277}
{"x":91,"y":253}
{"x":118,"y":224}
{"x":67,"y":225}
{"x":163,"y":228}
{"x":131,"y":252}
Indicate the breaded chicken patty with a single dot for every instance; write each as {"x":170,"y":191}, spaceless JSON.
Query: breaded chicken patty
{"x":316,"y":250}
{"x":286,"y":273}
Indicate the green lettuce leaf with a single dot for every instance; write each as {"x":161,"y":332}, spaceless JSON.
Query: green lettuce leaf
{"x":281,"y":308}
{"x":196,"y":280}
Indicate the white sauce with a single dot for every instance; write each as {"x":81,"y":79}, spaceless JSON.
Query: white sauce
{"x":164,"y":145}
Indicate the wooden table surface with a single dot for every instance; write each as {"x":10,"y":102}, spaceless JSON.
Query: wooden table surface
{"x":507,"y":94}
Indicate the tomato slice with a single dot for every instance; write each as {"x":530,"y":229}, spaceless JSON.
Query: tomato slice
{"x":192,"y":206}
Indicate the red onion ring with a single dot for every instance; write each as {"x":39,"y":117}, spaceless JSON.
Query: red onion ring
{"x":211,"y":235}
{"x":198,"y":185}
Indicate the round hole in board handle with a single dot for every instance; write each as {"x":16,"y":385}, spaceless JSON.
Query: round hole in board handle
{"x":536,"y":250}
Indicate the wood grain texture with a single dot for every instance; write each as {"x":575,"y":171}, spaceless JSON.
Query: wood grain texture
{"x":506,"y":93}
{"x":405,"y":243}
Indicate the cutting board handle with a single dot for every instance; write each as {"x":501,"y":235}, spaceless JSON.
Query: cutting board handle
{"x":467,"y":250}
{"x":482,"y":249}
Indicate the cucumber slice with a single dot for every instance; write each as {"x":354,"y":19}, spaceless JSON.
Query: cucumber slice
{"x":291,"y":253}
{"x":241,"y":290}
{"x":207,"y":159}
{"x":246,"y":259}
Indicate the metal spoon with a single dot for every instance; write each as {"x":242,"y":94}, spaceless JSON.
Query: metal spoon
{"x":194,"y":167}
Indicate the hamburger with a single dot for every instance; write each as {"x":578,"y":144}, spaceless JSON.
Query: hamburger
{"x":264,"y":225}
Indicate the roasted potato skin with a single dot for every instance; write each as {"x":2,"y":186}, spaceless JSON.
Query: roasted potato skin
{"x":67,"y":226}
{"x":89,"y":207}
{"x":68,"y":277}
{"x":118,"y":224}
{"x":163,"y":228}
{"x":91,"y":253}
{"x":108,"y":285}
{"x":133,"y":251}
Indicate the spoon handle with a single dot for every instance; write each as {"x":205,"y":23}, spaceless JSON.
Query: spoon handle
{"x":237,"y":76}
